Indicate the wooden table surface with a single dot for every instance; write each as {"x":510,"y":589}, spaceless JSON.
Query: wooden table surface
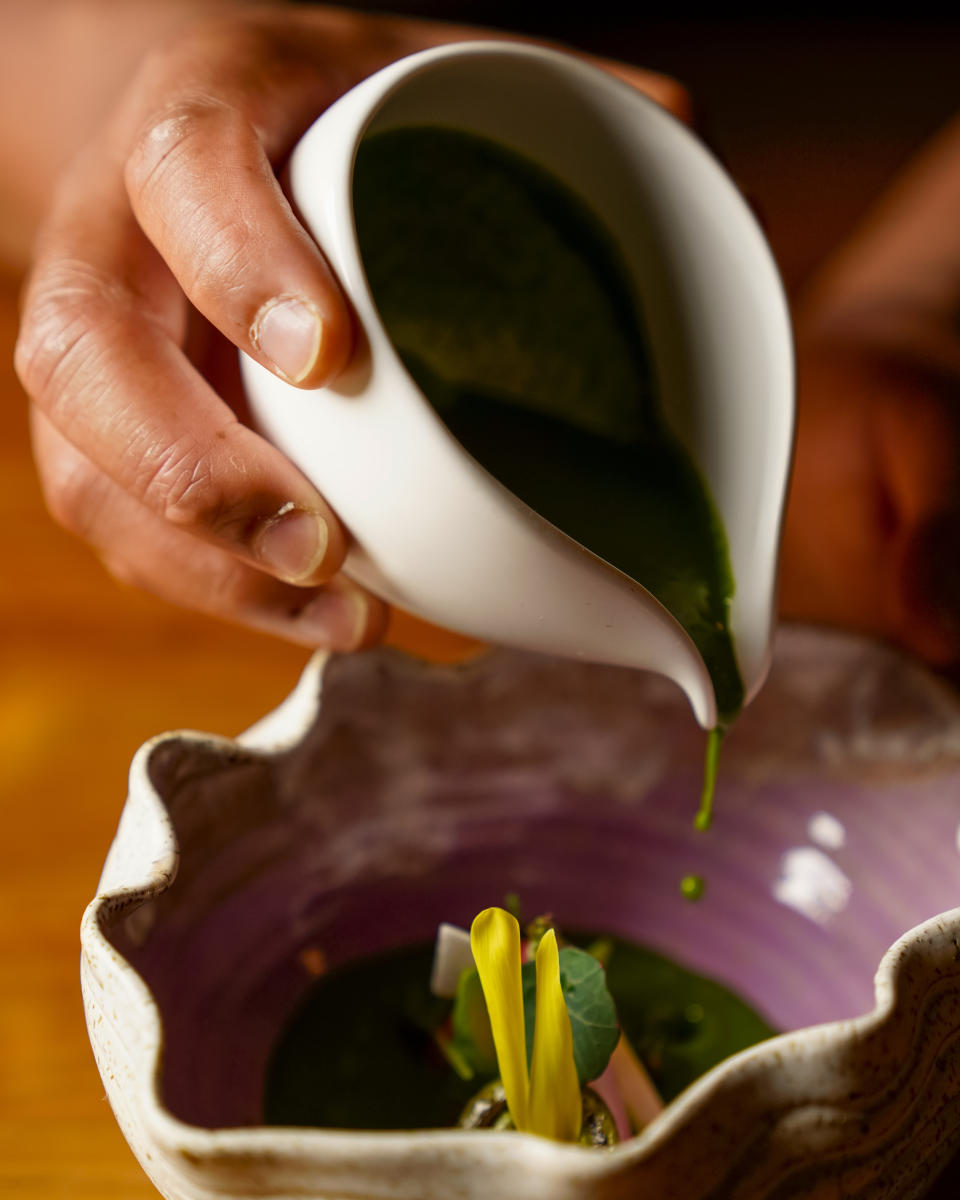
{"x":89,"y":670}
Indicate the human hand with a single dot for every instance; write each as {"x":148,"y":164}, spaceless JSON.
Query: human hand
{"x":873,"y":526}
{"x":169,"y":244}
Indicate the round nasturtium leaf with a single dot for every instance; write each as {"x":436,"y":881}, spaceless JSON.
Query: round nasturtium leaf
{"x":593,"y":1016}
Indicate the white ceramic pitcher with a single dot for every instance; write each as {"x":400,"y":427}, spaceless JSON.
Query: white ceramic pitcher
{"x":435,"y":532}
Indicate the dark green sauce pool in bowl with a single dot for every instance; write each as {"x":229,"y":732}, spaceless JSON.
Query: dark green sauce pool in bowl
{"x":359,"y":1052}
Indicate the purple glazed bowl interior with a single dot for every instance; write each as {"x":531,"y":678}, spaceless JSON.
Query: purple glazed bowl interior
{"x":423,"y":794}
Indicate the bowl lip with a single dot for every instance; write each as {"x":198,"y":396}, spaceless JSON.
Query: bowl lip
{"x":282,"y":729}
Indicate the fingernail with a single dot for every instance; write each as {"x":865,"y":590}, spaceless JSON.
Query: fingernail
{"x":288,"y":331}
{"x":337,"y":617}
{"x":292,"y":544}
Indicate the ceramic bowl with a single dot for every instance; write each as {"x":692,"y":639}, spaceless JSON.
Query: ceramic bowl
{"x":720,"y":345}
{"x":409,"y":794}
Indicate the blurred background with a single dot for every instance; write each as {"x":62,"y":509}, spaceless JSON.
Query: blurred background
{"x":811,"y":115}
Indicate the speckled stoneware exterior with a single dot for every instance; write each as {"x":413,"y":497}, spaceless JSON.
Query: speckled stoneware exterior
{"x":413,"y":795}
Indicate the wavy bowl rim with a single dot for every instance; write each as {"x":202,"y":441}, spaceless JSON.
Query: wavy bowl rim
{"x":282,"y":728}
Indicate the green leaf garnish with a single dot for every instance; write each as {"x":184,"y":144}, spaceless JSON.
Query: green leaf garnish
{"x":472,"y":1036}
{"x":593,"y":1016}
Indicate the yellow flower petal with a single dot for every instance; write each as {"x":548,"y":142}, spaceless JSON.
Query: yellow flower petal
{"x":495,"y":941}
{"x":556,"y":1109}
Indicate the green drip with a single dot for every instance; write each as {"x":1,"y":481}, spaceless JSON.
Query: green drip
{"x":704,"y":817}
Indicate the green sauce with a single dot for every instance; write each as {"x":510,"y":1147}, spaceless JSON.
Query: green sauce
{"x":509,"y":305}
{"x":704,"y":817}
{"x":359,"y":1053}
{"x":679,"y":1023}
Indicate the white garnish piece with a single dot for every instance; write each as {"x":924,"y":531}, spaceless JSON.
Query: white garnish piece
{"x":451,"y":956}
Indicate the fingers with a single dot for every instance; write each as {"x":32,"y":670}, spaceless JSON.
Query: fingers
{"x":205,"y":194}
{"x":98,"y":360}
{"x":142,"y":550}
{"x":209,"y":119}
{"x":197,"y":144}
{"x":105,"y":316}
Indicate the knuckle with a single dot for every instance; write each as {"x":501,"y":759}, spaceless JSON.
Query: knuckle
{"x":179,"y":484}
{"x":191,"y":78}
{"x":184,"y":484}
{"x":70,"y":316}
{"x":167,"y":137}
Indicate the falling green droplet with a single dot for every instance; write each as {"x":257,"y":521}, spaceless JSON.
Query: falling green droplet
{"x":692,"y":887}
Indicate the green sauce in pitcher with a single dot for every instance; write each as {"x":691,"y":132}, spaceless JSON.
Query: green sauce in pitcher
{"x":509,"y":305}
